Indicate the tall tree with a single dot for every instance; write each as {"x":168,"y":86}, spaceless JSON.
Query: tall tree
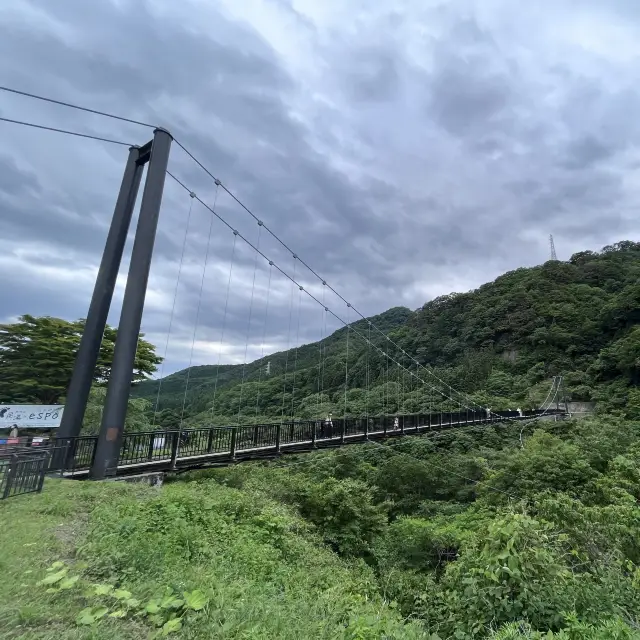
{"x":37,"y":357}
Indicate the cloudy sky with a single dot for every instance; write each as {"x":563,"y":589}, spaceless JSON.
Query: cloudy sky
{"x":402,"y":152}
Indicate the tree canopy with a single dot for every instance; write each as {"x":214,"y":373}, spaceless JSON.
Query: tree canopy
{"x":37,"y":357}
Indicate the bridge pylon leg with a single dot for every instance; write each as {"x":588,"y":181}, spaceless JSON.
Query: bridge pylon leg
{"x":88,"y":352}
{"x":115,"y":409}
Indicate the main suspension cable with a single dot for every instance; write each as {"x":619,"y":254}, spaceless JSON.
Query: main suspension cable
{"x":77,"y":107}
{"x":311,"y":270}
{"x":231,"y":194}
{"x":294,"y":282}
{"x":67,"y":132}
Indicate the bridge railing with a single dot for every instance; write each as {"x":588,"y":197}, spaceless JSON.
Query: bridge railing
{"x":165,"y":447}
{"x":23,"y":472}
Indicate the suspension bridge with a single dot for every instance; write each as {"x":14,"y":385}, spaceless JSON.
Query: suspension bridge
{"x":115,"y":452}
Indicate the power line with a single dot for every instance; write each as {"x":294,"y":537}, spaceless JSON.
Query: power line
{"x":65,"y":131}
{"x":71,"y":105}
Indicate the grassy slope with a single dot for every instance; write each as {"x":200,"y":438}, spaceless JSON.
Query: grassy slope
{"x":265,"y":574}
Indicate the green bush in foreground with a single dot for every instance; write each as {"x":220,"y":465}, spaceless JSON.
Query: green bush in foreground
{"x":490,"y":540}
{"x":263,"y":573}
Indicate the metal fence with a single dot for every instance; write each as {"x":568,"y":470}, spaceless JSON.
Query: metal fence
{"x":22,"y":468}
{"x":22,"y":472}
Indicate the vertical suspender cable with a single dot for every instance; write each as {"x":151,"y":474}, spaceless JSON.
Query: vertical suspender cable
{"x":412,"y":390}
{"x":224,"y":322}
{"x":368,"y":372}
{"x":398,"y":389}
{"x":402,"y":409}
{"x":319,"y":364}
{"x":388,"y":390}
{"x":264,"y":336}
{"x":346,"y":365}
{"x":295,"y":363}
{"x":195,"y":328}
{"x":173,"y":308}
{"x":246,"y":345}
{"x":322,"y":347}
{"x":286,"y":361}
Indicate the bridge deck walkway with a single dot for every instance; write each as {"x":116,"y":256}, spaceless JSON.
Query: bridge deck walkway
{"x":221,"y":446}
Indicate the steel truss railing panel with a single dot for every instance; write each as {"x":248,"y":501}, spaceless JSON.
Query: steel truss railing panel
{"x":166,"y":449}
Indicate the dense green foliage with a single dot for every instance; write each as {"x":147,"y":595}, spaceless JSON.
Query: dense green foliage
{"x":258,"y":569}
{"x":500,"y":344}
{"x":469,"y":531}
{"x":37,"y":357}
{"x":494,"y":531}
{"x":464,"y":534}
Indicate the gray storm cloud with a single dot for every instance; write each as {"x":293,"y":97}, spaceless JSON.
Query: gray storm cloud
{"x":402,"y":153}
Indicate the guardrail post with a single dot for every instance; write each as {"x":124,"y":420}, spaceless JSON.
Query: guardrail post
{"x":73,"y":453}
{"x":343,"y":426}
{"x":175,"y":440}
{"x":124,"y":354}
{"x":66,"y":458}
{"x":366,"y":428}
{"x":11,"y":474}
{"x":150,"y":447}
{"x":234,"y":439}
{"x":278,"y":430}
{"x":43,"y":470}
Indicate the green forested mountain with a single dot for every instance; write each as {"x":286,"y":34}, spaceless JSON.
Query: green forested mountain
{"x":500,"y":344}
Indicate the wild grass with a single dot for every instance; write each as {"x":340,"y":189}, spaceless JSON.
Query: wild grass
{"x":263,"y":571}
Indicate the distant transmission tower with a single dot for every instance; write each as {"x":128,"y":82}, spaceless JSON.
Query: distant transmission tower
{"x":553,"y":248}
